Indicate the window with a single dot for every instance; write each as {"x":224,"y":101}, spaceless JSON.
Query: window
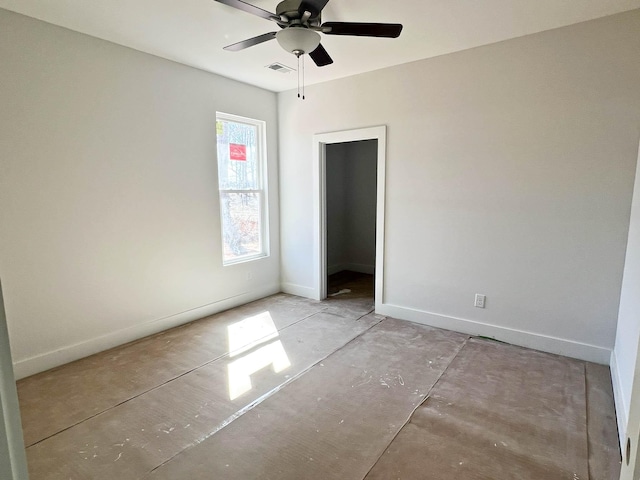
{"x":242,"y":185}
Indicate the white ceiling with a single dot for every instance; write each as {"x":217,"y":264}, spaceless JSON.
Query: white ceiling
{"x":193,"y":32}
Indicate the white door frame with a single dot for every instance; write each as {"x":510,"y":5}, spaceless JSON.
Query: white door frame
{"x":320,"y":141}
{"x":630,"y":469}
{"x":13,"y":460}
{"x":630,"y":447}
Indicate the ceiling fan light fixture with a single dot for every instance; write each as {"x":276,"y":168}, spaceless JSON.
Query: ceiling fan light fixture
{"x":298,"y":40}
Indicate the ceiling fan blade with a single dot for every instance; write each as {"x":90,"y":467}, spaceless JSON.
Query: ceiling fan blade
{"x":312,"y":6}
{"x":387,"y":30}
{"x":250,"y":42}
{"x":247,"y":7}
{"x":320,"y":57}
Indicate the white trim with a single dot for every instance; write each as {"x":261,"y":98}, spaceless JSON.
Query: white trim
{"x":320,"y":141}
{"x":13,"y":460}
{"x":352,"y":267}
{"x":40,"y":363}
{"x":619,"y":399}
{"x":331,"y":269}
{"x":263,"y":192}
{"x":298,"y":290}
{"x":361,"y":268}
{"x":560,"y":346}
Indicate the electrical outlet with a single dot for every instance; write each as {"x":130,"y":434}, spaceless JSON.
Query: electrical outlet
{"x":480,"y":299}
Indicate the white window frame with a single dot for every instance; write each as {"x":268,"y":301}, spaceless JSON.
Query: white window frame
{"x":261,"y":144}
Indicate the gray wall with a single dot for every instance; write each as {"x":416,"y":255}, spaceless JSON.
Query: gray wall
{"x":108,"y":193}
{"x":351,"y":206}
{"x":509,"y":173}
{"x":336,"y":207}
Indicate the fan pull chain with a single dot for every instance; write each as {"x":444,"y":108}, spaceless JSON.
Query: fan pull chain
{"x":298,"y":72}
{"x":298,"y":53}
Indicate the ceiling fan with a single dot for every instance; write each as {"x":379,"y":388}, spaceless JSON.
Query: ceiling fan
{"x":300,"y":21}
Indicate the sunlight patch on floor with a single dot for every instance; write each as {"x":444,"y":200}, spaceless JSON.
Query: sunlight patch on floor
{"x":244,"y":337}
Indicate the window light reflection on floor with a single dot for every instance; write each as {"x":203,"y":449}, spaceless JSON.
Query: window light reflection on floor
{"x":244,"y":336}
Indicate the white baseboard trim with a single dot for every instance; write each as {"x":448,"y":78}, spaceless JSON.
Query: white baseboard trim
{"x":352,"y":267}
{"x":331,"y":269}
{"x":299,"y":290}
{"x":619,"y":399}
{"x":361,"y":268}
{"x":568,"y":348}
{"x":48,"y":360}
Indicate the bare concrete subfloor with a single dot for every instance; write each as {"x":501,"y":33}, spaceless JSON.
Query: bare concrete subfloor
{"x":289,"y":388}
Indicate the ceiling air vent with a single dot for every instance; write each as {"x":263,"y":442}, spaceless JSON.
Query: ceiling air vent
{"x":278,"y":67}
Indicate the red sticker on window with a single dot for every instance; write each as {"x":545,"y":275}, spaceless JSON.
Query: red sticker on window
{"x":238,"y":152}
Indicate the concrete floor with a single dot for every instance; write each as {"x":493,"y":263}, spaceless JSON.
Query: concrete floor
{"x":289,"y":388}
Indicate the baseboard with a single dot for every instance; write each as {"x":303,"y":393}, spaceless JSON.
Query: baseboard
{"x":560,"y":346}
{"x":331,"y":269}
{"x":360,"y":268}
{"x":352,"y":267}
{"x":46,"y":361}
{"x":299,"y":290}
{"x":619,"y":399}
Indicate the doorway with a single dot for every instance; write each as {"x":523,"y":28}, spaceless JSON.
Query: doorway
{"x":349,"y":207}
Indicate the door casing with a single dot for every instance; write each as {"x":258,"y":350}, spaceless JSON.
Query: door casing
{"x":320,"y":141}
{"x":13,"y":459}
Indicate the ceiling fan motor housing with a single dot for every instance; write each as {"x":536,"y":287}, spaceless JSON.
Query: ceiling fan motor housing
{"x":291,"y":9}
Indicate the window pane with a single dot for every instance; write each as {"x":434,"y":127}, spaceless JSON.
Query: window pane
{"x":241,"y":175}
{"x":241,"y":224}
{"x":238,"y":167}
